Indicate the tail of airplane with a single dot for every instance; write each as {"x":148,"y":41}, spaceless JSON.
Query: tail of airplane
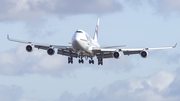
{"x":96,"y":31}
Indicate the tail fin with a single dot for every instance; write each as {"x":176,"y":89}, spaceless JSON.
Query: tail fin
{"x":96,"y":31}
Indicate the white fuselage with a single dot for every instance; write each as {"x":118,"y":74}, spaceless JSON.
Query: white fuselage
{"x":82,"y":43}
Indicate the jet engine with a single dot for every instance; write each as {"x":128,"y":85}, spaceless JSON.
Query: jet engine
{"x":29,"y":48}
{"x":50,"y":51}
{"x":144,"y":54}
{"x":116,"y":55}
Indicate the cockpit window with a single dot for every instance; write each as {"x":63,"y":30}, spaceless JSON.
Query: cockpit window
{"x":79,"y":32}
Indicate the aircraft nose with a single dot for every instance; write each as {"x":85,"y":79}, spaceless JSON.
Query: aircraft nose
{"x":76,"y":41}
{"x":77,"y":37}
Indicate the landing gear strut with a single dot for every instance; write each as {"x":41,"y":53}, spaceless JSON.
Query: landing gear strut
{"x":70,"y":60}
{"x":100,"y":61}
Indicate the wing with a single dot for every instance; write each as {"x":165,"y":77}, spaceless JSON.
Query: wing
{"x":63,"y":50}
{"x":139,"y":50}
{"x":108,"y":53}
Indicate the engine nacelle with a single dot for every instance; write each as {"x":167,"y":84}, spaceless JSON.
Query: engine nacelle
{"x":50,"y":51}
{"x":116,"y":55}
{"x":144,"y":54}
{"x":29,"y":48}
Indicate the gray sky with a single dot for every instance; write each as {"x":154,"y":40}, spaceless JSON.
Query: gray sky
{"x":37,"y":76}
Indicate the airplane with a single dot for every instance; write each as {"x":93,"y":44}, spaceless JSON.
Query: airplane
{"x":83,"y":46}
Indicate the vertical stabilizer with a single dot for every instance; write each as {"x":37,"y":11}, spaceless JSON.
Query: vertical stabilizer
{"x":96,"y":31}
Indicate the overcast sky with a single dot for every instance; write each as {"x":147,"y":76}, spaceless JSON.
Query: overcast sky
{"x":37,"y":76}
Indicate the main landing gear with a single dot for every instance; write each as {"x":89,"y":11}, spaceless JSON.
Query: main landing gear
{"x":91,"y":61}
{"x":70,"y":60}
{"x":81,"y":61}
{"x":100,"y":61}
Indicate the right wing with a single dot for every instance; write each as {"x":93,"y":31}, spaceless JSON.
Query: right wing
{"x":63,"y":50}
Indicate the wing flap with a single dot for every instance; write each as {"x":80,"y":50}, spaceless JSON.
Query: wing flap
{"x":104,"y":55}
{"x":131,"y":52}
{"x":103,"y":50}
{"x":63,"y":47}
{"x":67,"y":53}
{"x":41,"y":47}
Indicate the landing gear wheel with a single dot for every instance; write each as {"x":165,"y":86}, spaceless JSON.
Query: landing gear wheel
{"x":70,"y":60}
{"x":91,"y":61}
{"x":100,"y":61}
{"x":81,"y":61}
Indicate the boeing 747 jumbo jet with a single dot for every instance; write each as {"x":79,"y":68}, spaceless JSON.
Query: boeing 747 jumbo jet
{"x":83,"y":46}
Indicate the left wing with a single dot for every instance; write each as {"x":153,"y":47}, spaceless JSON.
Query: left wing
{"x":139,"y":50}
{"x":63,"y":50}
{"x":109,"y":53}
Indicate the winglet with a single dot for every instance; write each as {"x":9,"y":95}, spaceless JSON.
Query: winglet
{"x":175,"y":45}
